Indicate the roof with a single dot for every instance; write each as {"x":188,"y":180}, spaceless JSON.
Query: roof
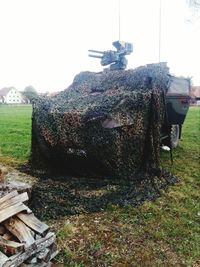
{"x":53,"y":94}
{"x":195,"y":91}
{"x":5,"y":90}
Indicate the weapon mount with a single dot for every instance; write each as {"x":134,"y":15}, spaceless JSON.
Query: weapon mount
{"x":116,"y":59}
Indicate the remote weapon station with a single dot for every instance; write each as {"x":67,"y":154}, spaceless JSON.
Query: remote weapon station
{"x":116,"y":59}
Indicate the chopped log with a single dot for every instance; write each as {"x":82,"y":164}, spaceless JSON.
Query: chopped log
{"x":21,"y":235}
{"x":11,"y":186}
{"x":10,"y":247}
{"x":44,"y":255}
{"x":8,"y":236}
{"x":8,"y":196}
{"x":3,"y":258}
{"x":14,"y":200}
{"x":49,"y":239}
{"x":41,"y":264}
{"x":31,"y":221}
{"x":42,"y":243}
{"x":54,"y":250}
{"x":54,"y":254}
{"x":11,"y":211}
{"x":20,"y":230}
{"x":31,"y":260}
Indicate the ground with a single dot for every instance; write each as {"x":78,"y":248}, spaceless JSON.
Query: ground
{"x":162,"y":232}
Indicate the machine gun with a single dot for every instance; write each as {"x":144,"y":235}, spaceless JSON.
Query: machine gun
{"x":116,"y":59}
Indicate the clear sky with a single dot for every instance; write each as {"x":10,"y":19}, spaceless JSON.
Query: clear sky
{"x":44,"y":43}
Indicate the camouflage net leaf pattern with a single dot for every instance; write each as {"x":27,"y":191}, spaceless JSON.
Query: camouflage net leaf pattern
{"x":105,"y":123}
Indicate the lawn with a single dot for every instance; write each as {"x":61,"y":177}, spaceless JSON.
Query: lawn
{"x":163,"y":232}
{"x":15,"y":133}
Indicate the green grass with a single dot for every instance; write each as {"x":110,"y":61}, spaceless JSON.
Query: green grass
{"x":164,"y":232}
{"x":15,"y":133}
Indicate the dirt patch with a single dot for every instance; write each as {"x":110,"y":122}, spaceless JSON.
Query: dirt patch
{"x":12,"y":179}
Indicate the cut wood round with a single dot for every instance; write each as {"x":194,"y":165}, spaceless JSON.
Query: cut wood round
{"x":10,"y":186}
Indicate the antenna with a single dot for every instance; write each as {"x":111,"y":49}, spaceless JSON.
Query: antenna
{"x":119,"y":19}
{"x":159,"y":34}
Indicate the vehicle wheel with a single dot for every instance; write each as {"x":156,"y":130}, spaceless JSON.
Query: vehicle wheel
{"x":174,"y":136}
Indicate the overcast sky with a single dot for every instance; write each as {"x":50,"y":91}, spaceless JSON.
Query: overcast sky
{"x":44,"y":43}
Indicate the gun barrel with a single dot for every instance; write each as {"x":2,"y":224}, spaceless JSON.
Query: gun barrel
{"x":96,"y":51}
{"x":96,"y":56}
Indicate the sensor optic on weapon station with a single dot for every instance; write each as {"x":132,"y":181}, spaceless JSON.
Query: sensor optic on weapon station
{"x":116,"y":59}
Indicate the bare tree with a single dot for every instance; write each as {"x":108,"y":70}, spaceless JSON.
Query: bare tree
{"x":194,"y":3}
{"x":194,"y":6}
{"x":30,"y":92}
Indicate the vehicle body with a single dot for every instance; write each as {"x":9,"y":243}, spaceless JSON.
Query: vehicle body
{"x":177,"y":98}
{"x":177,"y":105}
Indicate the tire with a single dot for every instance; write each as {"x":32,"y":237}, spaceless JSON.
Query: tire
{"x":174,"y":135}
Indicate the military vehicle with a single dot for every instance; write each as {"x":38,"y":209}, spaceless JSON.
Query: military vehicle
{"x":177,"y":97}
{"x":111,"y":122}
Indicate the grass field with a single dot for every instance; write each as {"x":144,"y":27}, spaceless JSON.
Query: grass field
{"x":15,"y":133}
{"x":163,"y":232}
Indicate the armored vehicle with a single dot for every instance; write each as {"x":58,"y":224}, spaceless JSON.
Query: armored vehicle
{"x":177,"y":97}
{"x":111,"y":122}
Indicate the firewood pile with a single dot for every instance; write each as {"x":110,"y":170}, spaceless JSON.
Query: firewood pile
{"x":24,"y":239}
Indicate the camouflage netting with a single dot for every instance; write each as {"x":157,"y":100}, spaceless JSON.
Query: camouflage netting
{"x":104,"y":123}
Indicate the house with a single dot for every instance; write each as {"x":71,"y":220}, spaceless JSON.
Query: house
{"x":195,"y":92}
{"x":10,"y":95}
{"x":1,"y":99}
